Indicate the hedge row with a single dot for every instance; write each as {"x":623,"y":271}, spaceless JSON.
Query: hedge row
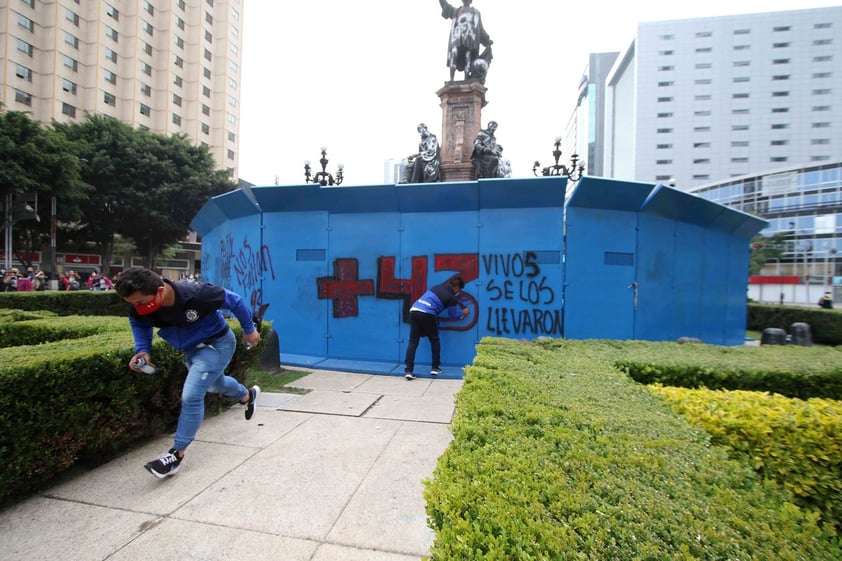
{"x":559,"y":455}
{"x":793,"y":442}
{"x":790,"y":370}
{"x":67,"y":303}
{"x":825,"y":325}
{"x":70,"y":401}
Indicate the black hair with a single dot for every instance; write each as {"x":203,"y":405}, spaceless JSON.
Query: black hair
{"x":457,"y":282}
{"x":137,"y":279}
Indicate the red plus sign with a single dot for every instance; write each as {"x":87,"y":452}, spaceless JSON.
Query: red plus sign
{"x":344,"y":287}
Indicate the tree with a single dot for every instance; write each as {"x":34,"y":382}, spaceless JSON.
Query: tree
{"x":146,"y":186}
{"x":36,"y":160}
{"x":765,"y":248}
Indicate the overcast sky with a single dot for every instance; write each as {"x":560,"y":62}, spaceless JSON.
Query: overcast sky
{"x":358,"y":77}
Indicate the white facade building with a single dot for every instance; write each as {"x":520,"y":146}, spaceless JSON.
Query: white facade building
{"x":169,"y":66}
{"x":703,"y":100}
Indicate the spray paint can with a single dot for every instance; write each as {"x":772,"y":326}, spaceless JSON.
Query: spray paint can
{"x":144,"y":366}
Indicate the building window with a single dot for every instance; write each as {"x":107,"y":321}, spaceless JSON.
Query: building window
{"x":704,"y":34}
{"x":71,"y":40}
{"x":232,"y":118}
{"x":823,"y":91}
{"x":663,"y":131}
{"x":739,"y":127}
{"x":208,"y":55}
{"x":181,"y":4}
{"x":665,"y":84}
{"x":209,"y":18}
{"x":205,"y":110}
{"x":740,"y":95}
{"x":30,"y":3}
{"x":702,"y":97}
{"x":822,"y":125}
{"x":235,"y":32}
{"x":703,"y":65}
{"x":147,"y":27}
{"x":68,"y":86}
{"x":742,"y":63}
{"x":664,"y":99}
{"x":701,"y":161}
{"x":112,"y":11}
{"x":663,"y":146}
{"x":110,"y":55}
{"x":664,"y":115}
{"x":779,"y":77}
{"x":179,"y":62}
{"x":780,"y":45}
{"x":780,"y":110}
{"x":208,"y":36}
{"x":701,"y":129}
{"x":176,"y":119}
{"x":778,"y":159}
{"x":780,"y":94}
{"x":816,"y":141}
{"x":701,"y":113}
{"x":235,"y":15}
{"x":230,"y":154}
{"x":72,"y":17}
{"x":780,"y":61}
{"x":23,"y":97}
{"x":147,"y":48}
{"x":701,"y":177}
{"x":146,"y":69}
{"x":779,"y":143}
{"x":68,"y":110}
{"x":666,"y":68}
{"x":206,"y":73}
{"x":781,"y":28}
{"x":739,"y":160}
{"x":819,"y":158}
{"x":703,"y":81}
{"x":179,"y":42}
{"x":178,"y":80}
{"x":825,"y":25}
{"x":110,"y":77}
{"x":179,"y":23}
{"x":742,"y":47}
{"x":205,"y":128}
{"x":780,"y":126}
{"x":71,"y":63}
{"x":739,"y":144}
{"x":740,"y":111}
{"x":818,"y":42}
{"x":24,"y":47}
{"x":206,"y":91}
{"x":149,"y":8}
{"x":701,"y":145}
{"x":666,"y":53}
{"x":821,"y":108}
{"x":146,"y":89}
{"x":109,"y":99}
{"x":176,"y":99}
{"x":23,"y":73}
{"x":26,"y":23}
{"x":666,"y":37}
{"x":704,"y":49}
{"x":111,"y":33}
{"x":663,"y":162}
{"x":233,"y":66}
{"x":231,"y":136}
{"x":742,"y":31}
{"x":822,"y":74}
{"x":823,"y":58}
{"x":235,"y":50}
{"x":232,"y":83}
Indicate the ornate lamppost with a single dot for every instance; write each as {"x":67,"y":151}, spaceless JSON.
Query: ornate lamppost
{"x":574,"y":172}
{"x":323,"y":178}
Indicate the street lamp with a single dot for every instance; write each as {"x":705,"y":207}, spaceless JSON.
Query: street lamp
{"x":574,"y":172}
{"x":323,"y":178}
{"x":13,"y":213}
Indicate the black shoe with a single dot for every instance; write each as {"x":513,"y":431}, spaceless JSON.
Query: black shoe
{"x":251,"y":405}
{"x":408,"y":375}
{"x":166,"y":465}
{"x":435,"y":371}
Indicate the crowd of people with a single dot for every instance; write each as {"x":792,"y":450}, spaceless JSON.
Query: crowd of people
{"x":35,"y":279}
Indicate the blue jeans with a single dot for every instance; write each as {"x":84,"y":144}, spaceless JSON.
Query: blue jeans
{"x":205,"y":373}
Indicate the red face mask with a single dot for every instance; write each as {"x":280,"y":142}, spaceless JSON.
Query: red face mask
{"x":151,"y":306}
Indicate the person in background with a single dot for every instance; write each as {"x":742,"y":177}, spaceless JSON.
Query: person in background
{"x":188,"y":317}
{"x":826,"y":301}
{"x":424,"y":321}
{"x":10,"y":280}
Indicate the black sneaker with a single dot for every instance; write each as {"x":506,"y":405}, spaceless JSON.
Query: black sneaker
{"x":251,"y":405}
{"x":435,"y":371}
{"x":408,"y":375}
{"x":166,"y":465}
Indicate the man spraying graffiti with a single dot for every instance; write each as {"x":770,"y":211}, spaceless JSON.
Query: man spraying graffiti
{"x":424,"y":322}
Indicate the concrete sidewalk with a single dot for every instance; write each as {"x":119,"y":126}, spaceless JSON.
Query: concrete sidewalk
{"x":334,"y":474}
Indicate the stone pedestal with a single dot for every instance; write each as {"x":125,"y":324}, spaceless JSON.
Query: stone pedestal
{"x":461,"y":104}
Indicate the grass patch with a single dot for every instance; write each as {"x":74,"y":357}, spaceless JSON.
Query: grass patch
{"x":275,"y":380}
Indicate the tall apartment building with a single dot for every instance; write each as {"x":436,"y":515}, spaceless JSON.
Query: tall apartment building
{"x":702,"y":100}
{"x":169,"y":66}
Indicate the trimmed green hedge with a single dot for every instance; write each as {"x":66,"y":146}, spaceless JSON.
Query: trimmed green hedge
{"x":559,"y":455}
{"x":825,"y":325}
{"x":789,"y":370}
{"x":67,"y":303}
{"x":69,"y":401}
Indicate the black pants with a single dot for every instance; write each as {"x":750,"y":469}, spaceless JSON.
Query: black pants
{"x":423,"y":325}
